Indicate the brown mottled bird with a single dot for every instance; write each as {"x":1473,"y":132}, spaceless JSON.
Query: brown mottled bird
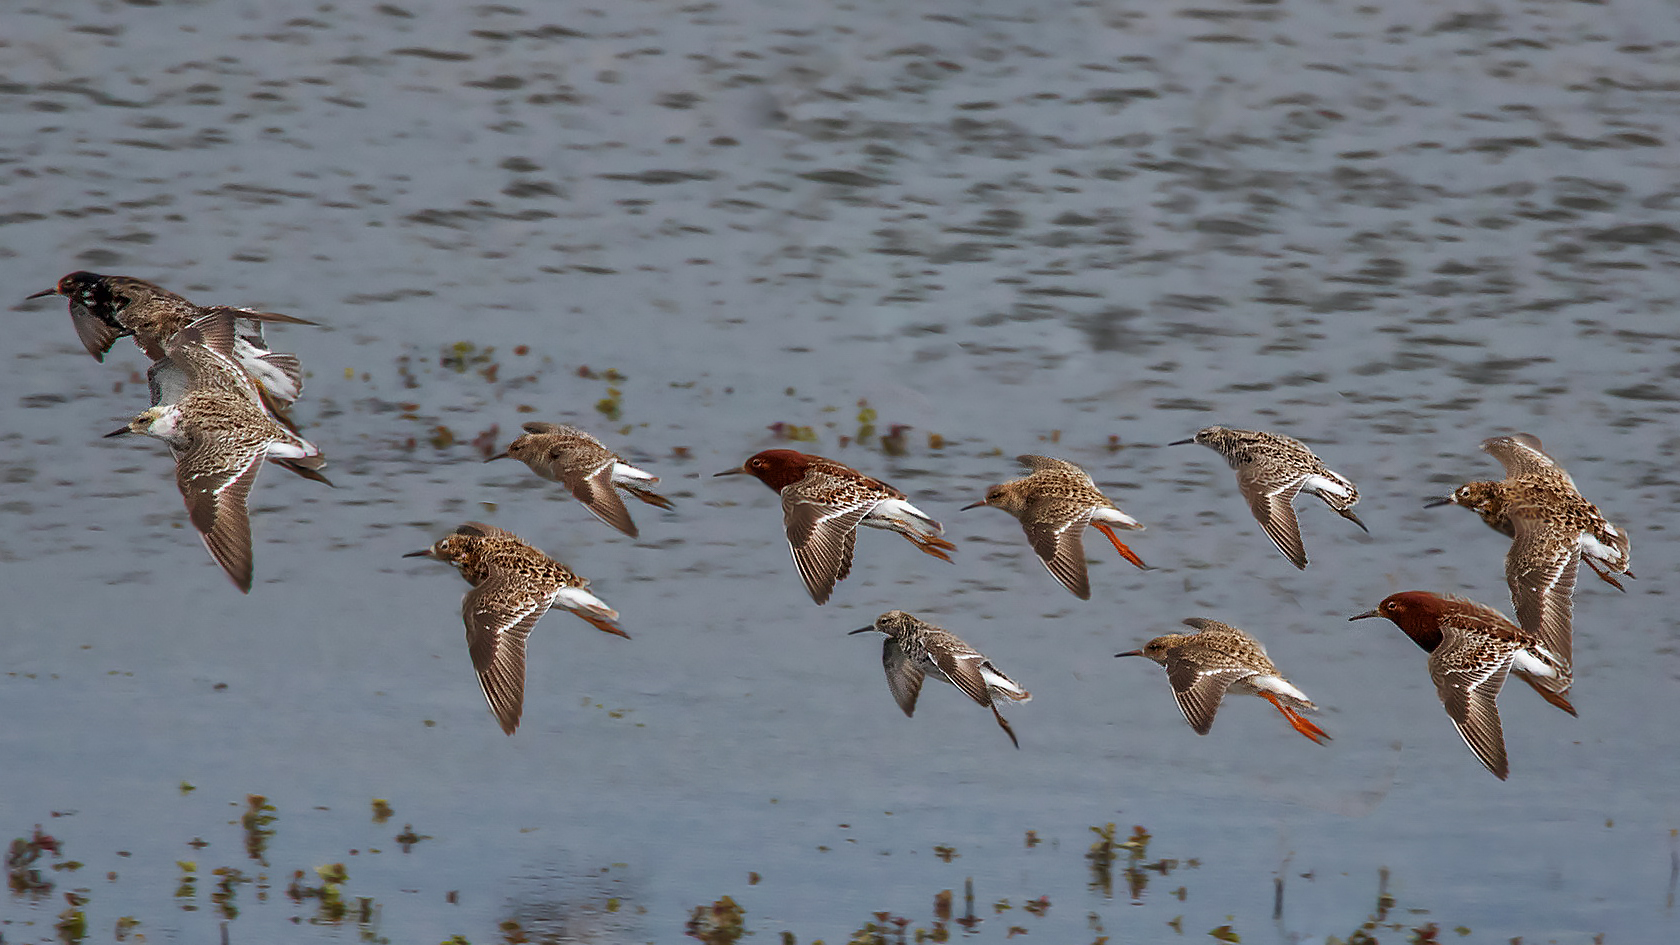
{"x":824,"y":502}
{"x":210,"y":413}
{"x":1553,"y":528}
{"x":585,"y":466}
{"x":1272,"y":469}
{"x":1054,"y":504}
{"x":915,"y":649}
{"x":1203,"y":666}
{"x":513,"y":585}
{"x":1471,"y":648}
{"x":104,"y":308}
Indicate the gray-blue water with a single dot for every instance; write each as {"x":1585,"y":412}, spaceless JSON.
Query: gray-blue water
{"x":1086,"y":230}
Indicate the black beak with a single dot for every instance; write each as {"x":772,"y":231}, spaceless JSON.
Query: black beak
{"x":42,"y":295}
{"x":1135,"y":652}
{"x":1182,"y":442}
{"x":1433,"y":503}
{"x":117,"y":432}
{"x":737,"y":471}
{"x":861,"y":630}
{"x":498,"y":456}
{"x":419,"y":554}
{"x":1368,"y":613}
{"x":972,"y":505}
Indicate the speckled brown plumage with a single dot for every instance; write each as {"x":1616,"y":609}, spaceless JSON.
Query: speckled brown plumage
{"x":104,"y":308}
{"x":1203,"y":666}
{"x":1054,"y":504}
{"x":1471,"y":648}
{"x":587,"y":468}
{"x":824,"y":502}
{"x":1553,"y":528}
{"x":1272,"y":469}
{"x":210,"y":413}
{"x":915,"y":649}
{"x":513,"y":585}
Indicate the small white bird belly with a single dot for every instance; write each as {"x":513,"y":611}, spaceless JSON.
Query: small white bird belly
{"x":1321,"y":485}
{"x":894,"y":514}
{"x":1116,"y":517}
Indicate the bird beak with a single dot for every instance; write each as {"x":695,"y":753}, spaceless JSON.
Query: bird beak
{"x":1137,"y":652}
{"x":119,"y":432}
{"x":42,"y":295}
{"x":498,"y":456}
{"x":419,"y":554}
{"x":972,"y":505}
{"x":1368,"y":613}
{"x":1182,"y":442}
{"x":737,"y":471}
{"x":861,"y":630}
{"x":1432,"y":503}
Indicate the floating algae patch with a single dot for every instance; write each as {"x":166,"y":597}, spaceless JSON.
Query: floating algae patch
{"x":257,"y":823}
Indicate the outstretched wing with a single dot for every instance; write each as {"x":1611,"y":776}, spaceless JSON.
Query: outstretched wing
{"x":1056,"y":529}
{"x":498,"y":624}
{"x":1469,"y":670}
{"x":822,"y":535}
{"x":1519,"y":453}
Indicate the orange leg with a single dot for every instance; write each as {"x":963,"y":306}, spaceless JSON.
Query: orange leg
{"x":602,"y":624}
{"x":931,"y":544}
{"x":1601,"y":572}
{"x":1007,"y":730}
{"x":1125,"y":552}
{"x":1301,"y":723}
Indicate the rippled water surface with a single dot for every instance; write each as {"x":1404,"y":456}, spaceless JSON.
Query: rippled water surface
{"x":937,"y":236}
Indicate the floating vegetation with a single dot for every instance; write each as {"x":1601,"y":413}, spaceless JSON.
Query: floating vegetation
{"x":1378,"y":920}
{"x":721,"y":923}
{"x":612,"y":405}
{"x":487,"y":440}
{"x":187,"y":888}
{"x":866,"y":421}
{"x":72,"y":923}
{"x":330,"y":906}
{"x":228,"y":879}
{"x":408,"y":838}
{"x":792,"y":432}
{"x":258,"y":825}
{"x":320,"y":897}
{"x":1105,"y":852}
{"x":893,"y":443}
{"x":464,"y":356}
{"x":22,"y":878}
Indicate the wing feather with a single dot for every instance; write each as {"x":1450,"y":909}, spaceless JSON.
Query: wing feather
{"x":1469,"y":670}
{"x":1272,"y":500}
{"x":1056,"y":529}
{"x":1541,"y":567}
{"x":216,"y":484}
{"x":904,"y":677}
{"x":498,"y":625}
{"x":1199,"y":690}
{"x":822,"y":536}
{"x":1519,"y":453}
